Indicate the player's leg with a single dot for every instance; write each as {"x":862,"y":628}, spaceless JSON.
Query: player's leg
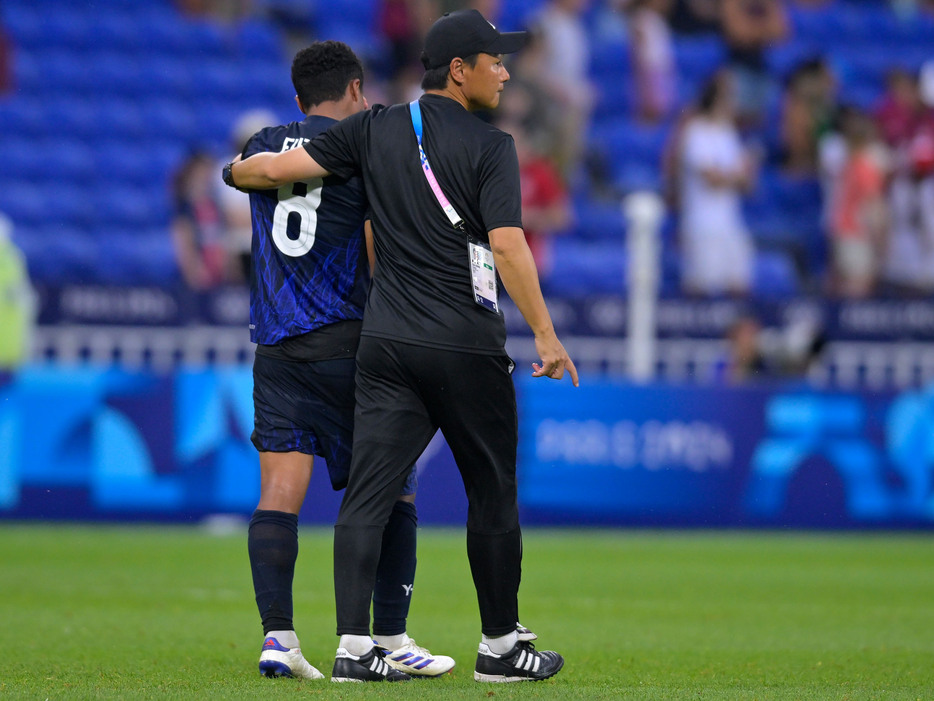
{"x":392,"y":593}
{"x":483,"y":436}
{"x":285,"y":442}
{"x":272,"y":543}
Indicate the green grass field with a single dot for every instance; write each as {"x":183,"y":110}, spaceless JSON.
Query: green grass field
{"x":167,"y":612}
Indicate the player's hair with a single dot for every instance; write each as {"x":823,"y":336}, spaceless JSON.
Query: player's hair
{"x":321,"y":72}
{"x":437,"y":78}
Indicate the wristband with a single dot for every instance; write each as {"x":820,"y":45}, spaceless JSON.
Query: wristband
{"x":227,"y":175}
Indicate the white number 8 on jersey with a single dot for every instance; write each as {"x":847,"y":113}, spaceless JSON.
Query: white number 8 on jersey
{"x":297,"y":214}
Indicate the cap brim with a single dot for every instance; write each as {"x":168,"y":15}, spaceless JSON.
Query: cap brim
{"x":508,"y":43}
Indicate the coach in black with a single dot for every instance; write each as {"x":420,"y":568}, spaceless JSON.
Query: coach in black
{"x":444,"y":192}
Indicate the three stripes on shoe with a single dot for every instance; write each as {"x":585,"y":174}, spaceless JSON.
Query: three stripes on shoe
{"x":410,"y":660}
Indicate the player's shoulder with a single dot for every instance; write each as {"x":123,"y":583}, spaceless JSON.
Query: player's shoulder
{"x":283,"y":137}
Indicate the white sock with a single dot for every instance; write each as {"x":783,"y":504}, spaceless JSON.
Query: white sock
{"x":356,"y":644}
{"x":391,"y":642}
{"x":286,"y":638}
{"x":502,"y":644}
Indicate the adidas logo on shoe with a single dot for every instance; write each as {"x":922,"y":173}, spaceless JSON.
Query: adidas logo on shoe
{"x":522,"y":663}
{"x":370,"y":667}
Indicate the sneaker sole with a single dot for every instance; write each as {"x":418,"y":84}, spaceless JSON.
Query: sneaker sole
{"x":271,"y":668}
{"x":501,"y":679}
{"x":341,"y":680}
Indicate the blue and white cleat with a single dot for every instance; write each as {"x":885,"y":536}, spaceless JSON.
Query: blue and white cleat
{"x":418,"y":661}
{"x":279,"y":661}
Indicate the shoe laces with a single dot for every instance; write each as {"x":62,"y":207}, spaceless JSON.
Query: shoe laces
{"x":411,"y":645}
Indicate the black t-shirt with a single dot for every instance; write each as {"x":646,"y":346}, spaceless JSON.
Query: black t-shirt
{"x":422,"y":291}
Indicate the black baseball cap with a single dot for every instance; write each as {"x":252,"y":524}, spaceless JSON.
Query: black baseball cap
{"x":465,"y":33}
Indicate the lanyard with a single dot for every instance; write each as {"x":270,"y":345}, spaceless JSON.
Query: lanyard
{"x":448,"y":208}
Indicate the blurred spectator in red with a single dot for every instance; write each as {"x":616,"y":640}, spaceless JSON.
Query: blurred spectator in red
{"x":546,"y":209}
{"x":858,"y":220}
{"x":809,"y":104}
{"x":403,"y":23}
{"x":653,"y":59}
{"x":715,"y":170}
{"x":564,"y":76}
{"x":906,"y":122}
{"x":901,"y":113}
{"x":6,"y":62}
{"x":198,"y":226}
{"x":227,"y":10}
{"x":749,"y":28}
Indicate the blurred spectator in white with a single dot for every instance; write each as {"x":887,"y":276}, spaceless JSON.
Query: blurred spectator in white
{"x":906,"y":122}
{"x":653,"y":59}
{"x":858,"y":219}
{"x":564,"y":76}
{"x":17,"y":301}
{"x":546,"y":209}
{"x":714,"y":170}
{"x":695,"y":16}
{"x":199,"y":231}
{"x":809,"y":103}
{"x":749,"y":28}
{"x":235,"y":205}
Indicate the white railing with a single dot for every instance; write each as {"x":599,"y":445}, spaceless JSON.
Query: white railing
{"x":844,"y":365}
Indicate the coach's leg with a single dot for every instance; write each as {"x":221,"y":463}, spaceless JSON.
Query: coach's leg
{"x":391,"y":429}
{"x":482,"y":430}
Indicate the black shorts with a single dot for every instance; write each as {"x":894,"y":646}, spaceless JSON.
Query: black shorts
{"x":308,"y":407}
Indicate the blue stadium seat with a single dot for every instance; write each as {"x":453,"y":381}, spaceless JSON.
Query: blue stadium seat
{"x":633,"y":152}
{"x":774,"y":275}
{"x":61,"y":253}
{"x":587,"y":268}
{"x":598,"y":221}
{"x":142,"y":256}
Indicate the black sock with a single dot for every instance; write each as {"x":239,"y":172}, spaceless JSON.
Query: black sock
{"x":395,"y":574}
{"x":273,"y":546}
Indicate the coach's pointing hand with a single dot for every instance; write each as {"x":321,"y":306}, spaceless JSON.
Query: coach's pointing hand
{"x":555,"y":360}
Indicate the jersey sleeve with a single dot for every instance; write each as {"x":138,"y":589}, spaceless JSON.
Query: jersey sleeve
{"x":339,"y":149}
{"x":500,"y":197}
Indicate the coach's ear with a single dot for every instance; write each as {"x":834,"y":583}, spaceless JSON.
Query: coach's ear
{"x":456,"y":69}
{"x":301,"y":107}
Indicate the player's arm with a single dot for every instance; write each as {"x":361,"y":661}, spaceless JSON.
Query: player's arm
{"x":263,"y":171}
{"x":520,"y":278}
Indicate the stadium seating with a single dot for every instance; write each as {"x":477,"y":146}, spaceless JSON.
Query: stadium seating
{"x":110,"y":97}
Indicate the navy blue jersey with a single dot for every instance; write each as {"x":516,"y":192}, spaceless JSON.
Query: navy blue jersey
{"x":309,"y":257}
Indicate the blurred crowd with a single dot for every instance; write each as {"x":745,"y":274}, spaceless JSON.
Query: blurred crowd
{"x":874,"y":162}
{"x":738,"y":122}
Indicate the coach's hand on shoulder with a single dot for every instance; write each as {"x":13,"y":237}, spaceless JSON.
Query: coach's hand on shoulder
{"x":555,"y":360}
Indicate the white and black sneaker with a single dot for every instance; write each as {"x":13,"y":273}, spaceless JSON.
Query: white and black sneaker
{"x":521,"y":664}
{"x":525,"y":635}
{"x":369,"y":667}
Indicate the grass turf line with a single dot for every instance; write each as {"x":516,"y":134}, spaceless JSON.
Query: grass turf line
{"x":168,"y":612}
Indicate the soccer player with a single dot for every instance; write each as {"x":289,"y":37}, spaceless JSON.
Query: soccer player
{"x":444,"y":190}
{"x":308,"y":286}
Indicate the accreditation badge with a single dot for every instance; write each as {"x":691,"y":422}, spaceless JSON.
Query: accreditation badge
{"x":483,"y":275}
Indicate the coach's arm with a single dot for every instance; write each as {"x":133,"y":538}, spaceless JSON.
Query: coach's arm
{"x":264,"y":171}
